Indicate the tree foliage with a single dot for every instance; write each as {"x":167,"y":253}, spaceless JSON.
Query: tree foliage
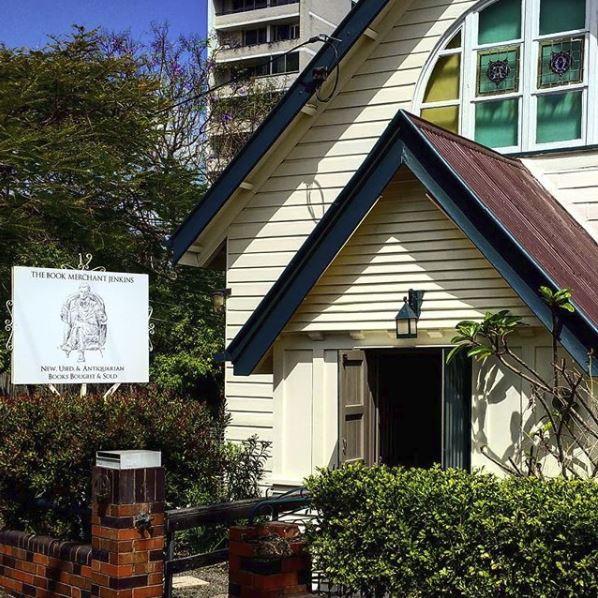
{"x":104,"y":150}
{"x":49,"y":444}
{"x":564,"y":406}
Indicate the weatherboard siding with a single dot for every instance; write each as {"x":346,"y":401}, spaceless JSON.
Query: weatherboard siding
{"x":365,"y":285}
{"x":573,"y":180}
{"x":405,"y":242}
{"x":285,"y":209}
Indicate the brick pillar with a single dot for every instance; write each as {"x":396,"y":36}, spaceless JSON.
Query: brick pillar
{"x":127,"y":556}
{"x":268,"y":561}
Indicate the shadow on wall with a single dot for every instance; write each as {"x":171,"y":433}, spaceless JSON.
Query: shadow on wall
{"x":405,"y":242}
{"x":504,"y":417}
{"x":346,"y":111}
{"x":496,"y":415}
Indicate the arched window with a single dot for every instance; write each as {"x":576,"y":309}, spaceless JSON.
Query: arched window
{"x":518,"y":75}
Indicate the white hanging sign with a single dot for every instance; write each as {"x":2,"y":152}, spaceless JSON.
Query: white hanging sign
{"x":79,"y":327}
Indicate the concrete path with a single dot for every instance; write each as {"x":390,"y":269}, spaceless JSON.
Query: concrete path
{"x":210,"y":582}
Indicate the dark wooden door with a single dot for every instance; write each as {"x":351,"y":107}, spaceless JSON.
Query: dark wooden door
{"x":356,"y":409}
{"x":457,"y":412}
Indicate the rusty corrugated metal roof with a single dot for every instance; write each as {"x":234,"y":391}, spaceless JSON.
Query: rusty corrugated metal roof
{"x":534,"y":218}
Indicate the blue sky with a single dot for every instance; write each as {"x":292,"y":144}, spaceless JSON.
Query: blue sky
{"x":27,"y":22}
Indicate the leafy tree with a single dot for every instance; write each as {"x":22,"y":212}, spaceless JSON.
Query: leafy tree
{"x":565,"y":406}
{"x":104,"y":150}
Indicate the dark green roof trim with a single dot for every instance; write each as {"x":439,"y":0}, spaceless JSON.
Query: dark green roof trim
{"x":401,"y":143}
{"x":348,"y":32}
{"x":553,"y":150}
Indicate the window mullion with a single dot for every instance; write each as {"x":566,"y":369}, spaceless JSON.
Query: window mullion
{"x":469,"y":75}
{"x":531,"y":20}
{"x":550,"y":110}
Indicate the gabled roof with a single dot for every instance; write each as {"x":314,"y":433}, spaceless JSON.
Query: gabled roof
{"x":347,"y":33}
{"x":536,"y":220}
{"x":515,"y":223}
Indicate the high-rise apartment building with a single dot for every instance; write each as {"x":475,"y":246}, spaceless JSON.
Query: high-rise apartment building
{"x":257,"y":36}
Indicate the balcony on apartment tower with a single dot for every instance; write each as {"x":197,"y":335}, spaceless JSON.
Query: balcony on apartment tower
{"x":257,"y":41}
{"x":230,"y":14}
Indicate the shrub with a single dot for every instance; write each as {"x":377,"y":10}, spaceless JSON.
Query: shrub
{"x":49,"y":443}
{"x":244,"y":466}
{"x":428,"y":533}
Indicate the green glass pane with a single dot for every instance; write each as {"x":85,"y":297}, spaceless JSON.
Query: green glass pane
{"x":496,"y":123}
{"x":498,"y":71}
{"x":559,"y":117}
{"x":500,"y":22}
{"x":561,"y":62}
{"x":455,"y":42}
{"x":446,"y":117}
{"x":444,"y":80}
{"x":562,"y":15}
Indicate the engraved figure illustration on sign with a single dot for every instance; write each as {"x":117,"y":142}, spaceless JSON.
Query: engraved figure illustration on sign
{"x":86,"y":322}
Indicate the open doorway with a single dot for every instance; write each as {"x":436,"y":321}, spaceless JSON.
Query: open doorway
{"x":405,"y":407}
{"x":408,"y":396}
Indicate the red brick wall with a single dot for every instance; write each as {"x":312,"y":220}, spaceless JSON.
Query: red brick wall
{"x":127,"y":562}
{"x":40,"y":566}
{"x":255,"y":574}
{"x":123,"y":560}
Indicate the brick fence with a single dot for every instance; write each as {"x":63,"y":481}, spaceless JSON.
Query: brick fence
{"x":125,"y":558}
{"x":40,"y":566}
{"x":268,"y":561}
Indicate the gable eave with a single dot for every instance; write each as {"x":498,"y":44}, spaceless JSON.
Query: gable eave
{"x":317,"y":252}
{"x":282,"y":116}
{"x":401,"y":143}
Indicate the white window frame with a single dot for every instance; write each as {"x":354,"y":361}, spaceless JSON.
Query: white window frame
{"x":527,"y":93}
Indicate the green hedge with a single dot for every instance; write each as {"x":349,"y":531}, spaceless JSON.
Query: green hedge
{"x":450,"y":533}
{"x":48,"y":447}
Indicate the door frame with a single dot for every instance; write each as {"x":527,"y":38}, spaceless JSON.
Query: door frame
{"x":371,"y":355}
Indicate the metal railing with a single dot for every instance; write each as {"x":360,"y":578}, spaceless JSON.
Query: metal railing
{"x":224,"y":513}
{"x":255,"y":5}
{"x":239,"y":45}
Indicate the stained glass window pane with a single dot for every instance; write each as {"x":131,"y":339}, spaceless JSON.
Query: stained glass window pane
{"x":447,"y":117}
{"x":556,"y":15}
{"x":561,"y":62}
{"x":498,"y":71}
{"x":444,"y":81}
{"x":455,"y":42}
{"x":500,"y":22}
{"x":497,"y":123}
{"x":559,"y":117}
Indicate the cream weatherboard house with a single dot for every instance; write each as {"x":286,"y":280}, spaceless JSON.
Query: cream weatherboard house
{"x":452,"y":150}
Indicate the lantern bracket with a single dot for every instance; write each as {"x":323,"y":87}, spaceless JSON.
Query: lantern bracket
{"x":415,"y":300}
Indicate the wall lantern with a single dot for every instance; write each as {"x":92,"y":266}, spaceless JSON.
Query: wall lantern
{"x":219,"y":298}
{"x":408,"y":315}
